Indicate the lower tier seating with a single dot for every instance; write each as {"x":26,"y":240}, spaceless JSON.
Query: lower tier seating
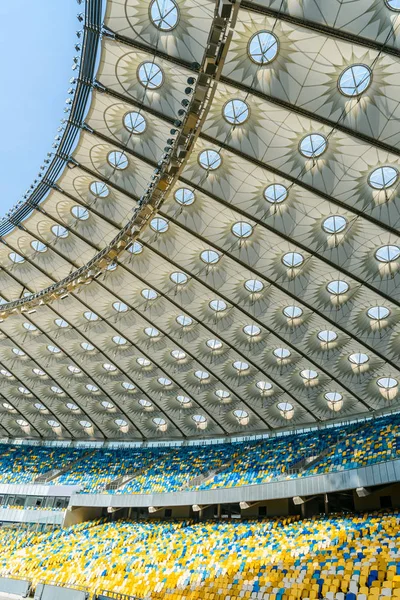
{"x":341,"y":557}
{"x":170,"y":469}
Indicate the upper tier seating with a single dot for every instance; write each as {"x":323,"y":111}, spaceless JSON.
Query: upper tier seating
{"x":351,"y":557}
{"x":168,"y":469}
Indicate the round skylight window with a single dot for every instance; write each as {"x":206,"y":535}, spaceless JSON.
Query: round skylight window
{"x":178,"y":278}
{"x":292,"y":259}
{"x":38,"y":246}
{"x":236,"y":112}
{"x":383,"y":177}
{"x":80,"y":213}
{"x":118,"y":160}
{"x":337,"y":287}
{"x":99,"y":189}
{"x":334,"y":224}
{"x":275,"y":193}
{"x":210,"y":160}
{"x":59,"y":231}
{"x":292,"y":312}
{"x":377,"y":313}
{"x":263,"y":47}
{"x":313,"y":145}
{"x":214,"y":344}
{"x":210,"y":257}
{"x":150,"y":75}
{"x":184,"y":196}
{"x":159,"y":224}
{"x":241,"y":229}
{"x":387,"y":254}
{"x":135,"y":122}
{"x":354,"y":80}
{"x":217,"y":305}
{"x":184,"y":320}
{"x":327,"y":336}
{"x":251,"y":330}
{"x":164,"y":14}
{"x":254,"y":286}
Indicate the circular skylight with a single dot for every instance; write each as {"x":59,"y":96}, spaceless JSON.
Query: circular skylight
{"x":326,"y":336}
{"x":184,"y":196}
{"x":99,"y":189}
{"x":241,"y":415}
{"x":251,"y":330}
{"x":254,"y":286}
{"x":184,"y":320}
{"x":202,"y":375}
{"x":377,"y":313}
{"x":86,"y":346}
{"x":236,"y":112}
{"x":286,"y":409}
{"x":358,"y":358}
{"x":5,"y":373}
{"x":282,"y":353}
{"x":91,"y":387}
{"x":241,"y":229}
{"x":128,"y":386}
{"x":333,"y":396}
{"x":200,"y":421}
{"x":61,"y":323}
{"x":292,"y":312}
{"x":135,"y":122}
{"x":150,"y":75}
{"x":292,"y":259}
{"x":107,"y":405}
{"x":18,"y":352}
{"x":53,"y":349}
{"x":73,"y":369}
{"x":40,"y":406}
{"x":121,"y":423}
{"x":120,"y":307}
{"x":119,"y":340}
{"x":214,"y":344}
{"x":59,"y":231}
{"x":16,"y":258}
{"x":337,"y":287}
{"x":388,"y":253}
{"x":38,"y":372}
{"x":149,"y":294}
{"x":217,"y":305}
{"x":183,"y":400}
{"x":80,"y":213}
{"x":264,"y":386}
{"x":160,"y":423}
{"x":8,"y":406}
{"x":178,"y":354}
{"x":393,"y":5}
{"x":90,"y":316}
{"x":222,"y":394}
{"x":29,"y":327}
{"x":275,"y":193}
{"x":23,"y":390}
{"x":178,"y":278}
{"x":22,"y":423}
{"x":143,"y":362}
{"x":145,"y":403}
{"x":56,"y":389}
{"x":71,"y":406}
{"x":313,"y":145}
{"x":210,"y":257}
{"x":383,"y":177}
{"x":38,"y":246}
{"x":164,"y":14}
{"x":354,"y":80}
{"x":308,"y":374}
{"x":135,"y":248}
{"x":85,"y":424}
{"x":159,"y":224}
{"x":210,"y":160}
{"x":387,"y":383}
{"x":164,"y":381}
{"x":263,"y":47}
{"x":54,"y":424}
{"x":334,"y":224}
{"x":118,"y":160}
{"x":240,"y":366}
{"x":151,"y":332}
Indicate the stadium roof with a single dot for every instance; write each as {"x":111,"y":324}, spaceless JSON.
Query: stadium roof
{"x":214,"y":247}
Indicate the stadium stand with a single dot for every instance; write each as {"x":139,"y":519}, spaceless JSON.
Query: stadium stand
{"x":350,"y":556}
{"x":168,"y":469}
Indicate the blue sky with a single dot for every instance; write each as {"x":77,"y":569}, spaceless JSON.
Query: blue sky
{"x":36,"y":48}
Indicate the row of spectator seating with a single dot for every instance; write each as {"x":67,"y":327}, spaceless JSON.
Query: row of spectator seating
{"x":341,"y":557}
{"x":167,"y":469}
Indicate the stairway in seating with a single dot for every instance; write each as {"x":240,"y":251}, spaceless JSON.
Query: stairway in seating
{"x":54,"y":473}
{"x":119,"y":482}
